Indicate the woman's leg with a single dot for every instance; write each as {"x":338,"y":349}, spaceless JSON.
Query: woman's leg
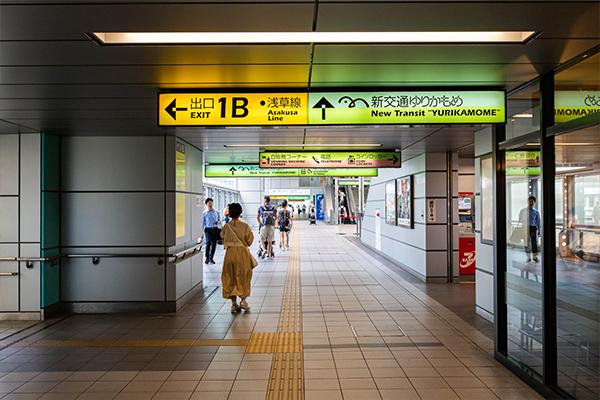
{"x":244,"y":304}
{"x":234,"y":306}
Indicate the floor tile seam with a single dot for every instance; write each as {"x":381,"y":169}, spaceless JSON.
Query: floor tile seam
{"x":390,"y":273}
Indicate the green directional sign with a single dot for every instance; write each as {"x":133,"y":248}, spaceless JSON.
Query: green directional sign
{"x":330,"y":159}
{"x":573,"y":104}
{"x":254,"y":171}
{"x":351,"y":182}
{"x":391,"y":107}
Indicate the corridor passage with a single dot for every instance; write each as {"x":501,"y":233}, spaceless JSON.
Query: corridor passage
{"x":327,"y":322}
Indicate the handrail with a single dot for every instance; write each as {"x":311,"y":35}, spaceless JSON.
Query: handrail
{"x":175,"y":257}
{"x":30,"y":260}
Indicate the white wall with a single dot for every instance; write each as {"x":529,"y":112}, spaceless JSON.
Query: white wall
{"x":20,"y":233}
{"x":484,"y":274}
{"x":422,"y":250}
{"x":251,"y":194}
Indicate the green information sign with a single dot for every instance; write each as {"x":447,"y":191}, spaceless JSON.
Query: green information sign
{"x":352,"y":182}
{"x":254,"y":171}
{"x":523,"y":171}
{"x":423,"y":107}
{"x":573,"y":104}
{"x":330,"y":159}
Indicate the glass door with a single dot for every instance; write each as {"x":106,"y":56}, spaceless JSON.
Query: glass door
{"x":578,"y":262}
{"x":523,"y":257}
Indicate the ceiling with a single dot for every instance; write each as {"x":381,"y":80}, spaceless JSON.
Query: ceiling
{"x":413,"y":140}
{"x":54,"y":78}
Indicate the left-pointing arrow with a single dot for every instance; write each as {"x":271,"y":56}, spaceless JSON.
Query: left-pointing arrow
{"x":172,"y":109}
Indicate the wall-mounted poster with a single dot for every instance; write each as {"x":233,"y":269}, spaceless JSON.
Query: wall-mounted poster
{"x":390,"y":203}
{"x":404,"y":202}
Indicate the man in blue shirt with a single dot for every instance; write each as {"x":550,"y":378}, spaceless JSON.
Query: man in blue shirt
{"x":212,"y":231}
{"x":534,"y":228}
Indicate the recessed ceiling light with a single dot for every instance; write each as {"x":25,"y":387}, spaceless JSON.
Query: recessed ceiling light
{"x":323,"y":145}
{"x":182,"y":38}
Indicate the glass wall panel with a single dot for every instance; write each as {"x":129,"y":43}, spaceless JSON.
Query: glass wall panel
{"x":577,"y":91}
{"x":487,"y":199}
{"x":523,"y":257}
{"x":523,"y":111}
{"x":578,"y":262}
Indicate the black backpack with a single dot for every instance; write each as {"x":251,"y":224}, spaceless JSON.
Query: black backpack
{"x":267,"y":217}
{"x":284,"y":218}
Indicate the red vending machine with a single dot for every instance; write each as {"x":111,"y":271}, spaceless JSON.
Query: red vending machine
{"x":466,"y":236}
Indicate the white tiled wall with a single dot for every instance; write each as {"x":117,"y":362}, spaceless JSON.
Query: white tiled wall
{"x":423,"y":249}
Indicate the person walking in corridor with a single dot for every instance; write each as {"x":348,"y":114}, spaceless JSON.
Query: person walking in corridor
{"x":212,"y":222}
{"x":267,"y":219}
{"x":238,"y":263}
{"x":284,"y":220}
{"x":530,"y":217}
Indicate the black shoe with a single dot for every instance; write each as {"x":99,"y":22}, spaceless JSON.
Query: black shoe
{"x":207,"y":261}
{"x":212,"y":262}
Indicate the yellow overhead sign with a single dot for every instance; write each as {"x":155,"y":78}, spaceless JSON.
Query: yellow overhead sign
{"x":205,"y":109}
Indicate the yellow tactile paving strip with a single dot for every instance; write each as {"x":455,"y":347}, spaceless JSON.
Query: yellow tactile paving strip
{"x":275,"y":342}
{"x":286,"y":380}
{"x":137,"y":343}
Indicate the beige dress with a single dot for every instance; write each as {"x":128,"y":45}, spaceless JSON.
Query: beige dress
{"x":236,"y":275}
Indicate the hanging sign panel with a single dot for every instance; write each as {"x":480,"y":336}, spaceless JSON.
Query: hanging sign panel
{"x":327,"y":108}
{"x":352,"y":182}
{"x":573,"y":104}
{"x":427,"y":107}
{"x":330,"y":159}
{"x":254,"y":171}
{"x":204,"y":109}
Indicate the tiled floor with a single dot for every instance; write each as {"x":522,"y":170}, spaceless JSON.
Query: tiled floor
{"x":8,"y":328}
{"x":365,"y":332}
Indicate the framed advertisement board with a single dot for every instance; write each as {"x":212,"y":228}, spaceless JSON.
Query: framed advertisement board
{"x":390,"y":203}
{"x":404,"y":202}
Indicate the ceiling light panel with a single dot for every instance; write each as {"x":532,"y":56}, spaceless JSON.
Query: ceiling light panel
{"x":182,"y":38}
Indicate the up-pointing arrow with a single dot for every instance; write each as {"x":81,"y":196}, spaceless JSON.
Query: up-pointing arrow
{"x":172,"y":109}
{"x":232,"y":170}
{"x":323,"y":104}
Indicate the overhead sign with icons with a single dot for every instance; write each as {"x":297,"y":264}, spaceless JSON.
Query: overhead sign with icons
{"x":425,"y":107}
{"x":330,"y":159}
{"x":254,"y":171}
{"x":206,"y":109}
{"x":572,"y":104}
{"x":331,"y":108}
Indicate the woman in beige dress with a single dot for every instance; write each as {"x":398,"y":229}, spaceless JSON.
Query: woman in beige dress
{"x":236,"y":276}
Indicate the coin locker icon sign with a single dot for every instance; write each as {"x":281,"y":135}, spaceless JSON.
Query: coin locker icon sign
{"x":209,"y":109}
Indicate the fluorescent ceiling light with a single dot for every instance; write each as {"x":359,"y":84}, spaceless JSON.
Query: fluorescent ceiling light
{"x":576,"y":144}
{"x":523,"y":115}
{"x":324,"y":145}
{"x":165,"y":38}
